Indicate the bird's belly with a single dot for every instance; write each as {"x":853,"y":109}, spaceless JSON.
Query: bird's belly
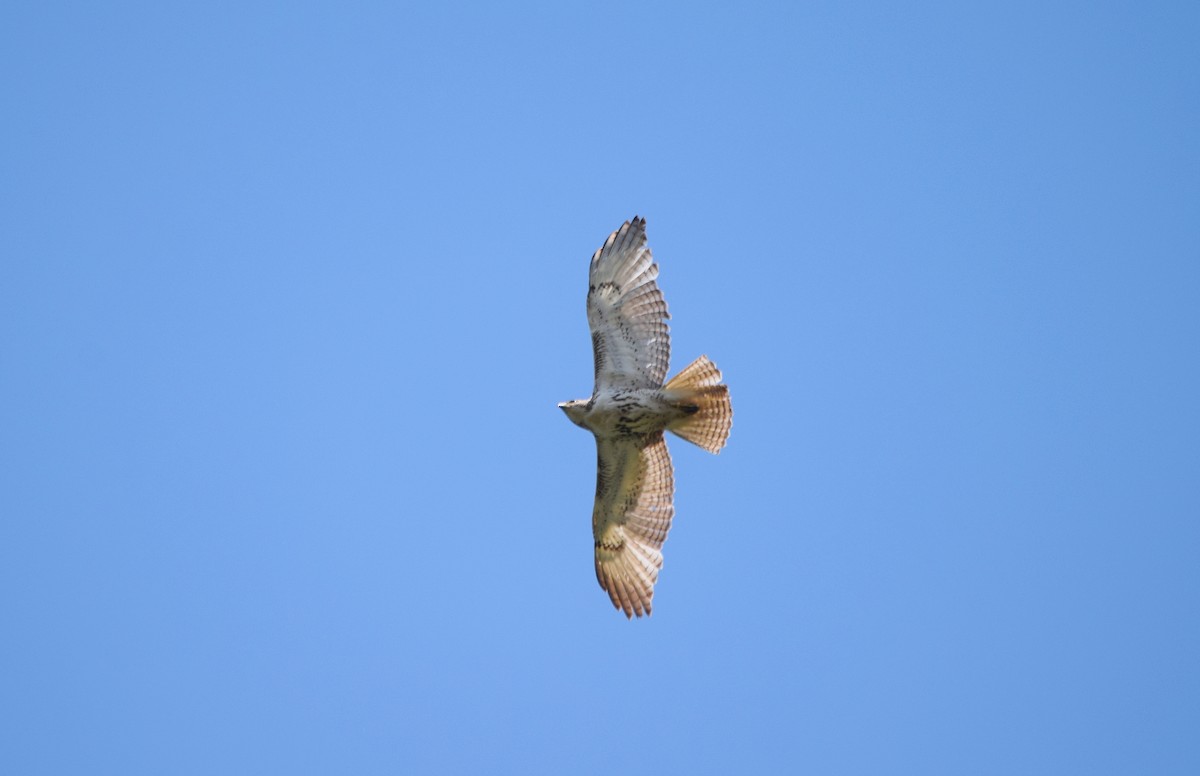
{"x":629,"y":413}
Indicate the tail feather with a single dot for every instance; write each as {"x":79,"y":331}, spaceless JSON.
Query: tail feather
{"x":699,"y":392}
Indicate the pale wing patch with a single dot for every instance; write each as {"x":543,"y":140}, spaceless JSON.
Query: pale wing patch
{"x":627,"y":313}
{"x":634,"y":490}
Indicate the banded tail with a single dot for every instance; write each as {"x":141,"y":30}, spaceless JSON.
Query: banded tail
{"x":699,"y":392}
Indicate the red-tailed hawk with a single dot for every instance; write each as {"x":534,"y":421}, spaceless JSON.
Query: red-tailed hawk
{"x":630,"y":409}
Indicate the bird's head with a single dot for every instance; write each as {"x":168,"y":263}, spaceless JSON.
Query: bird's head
{"x":574,"y":409}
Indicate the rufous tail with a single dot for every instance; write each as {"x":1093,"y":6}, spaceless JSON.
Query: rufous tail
{"x":698,"y":391}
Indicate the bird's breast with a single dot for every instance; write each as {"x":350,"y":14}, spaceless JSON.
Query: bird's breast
{"x":629,"y":413}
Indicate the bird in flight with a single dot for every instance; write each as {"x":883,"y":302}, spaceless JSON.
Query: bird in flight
{"x":630,"y":409}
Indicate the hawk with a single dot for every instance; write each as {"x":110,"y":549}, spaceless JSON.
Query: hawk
{"x":630,"y":409}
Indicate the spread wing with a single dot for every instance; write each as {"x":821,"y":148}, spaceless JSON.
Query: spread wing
{"x":627,"y":312}
{"x":634,"y":488}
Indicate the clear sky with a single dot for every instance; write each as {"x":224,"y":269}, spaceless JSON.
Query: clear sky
{"x":289,"y":293}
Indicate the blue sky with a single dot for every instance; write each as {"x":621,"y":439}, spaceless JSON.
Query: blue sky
{"x":290,"y":292}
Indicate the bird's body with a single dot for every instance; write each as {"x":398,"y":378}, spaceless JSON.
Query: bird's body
{"x":628,"y":412}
